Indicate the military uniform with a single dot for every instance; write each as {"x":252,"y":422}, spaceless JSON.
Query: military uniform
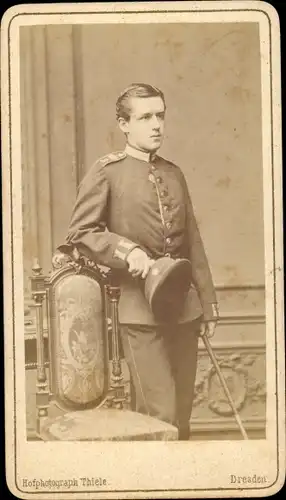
{"x":134,"y":199}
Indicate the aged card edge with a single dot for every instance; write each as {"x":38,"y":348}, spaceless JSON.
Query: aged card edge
{"x":7,"y":220}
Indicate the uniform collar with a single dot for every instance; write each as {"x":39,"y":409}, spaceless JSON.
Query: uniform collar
{"x":139,"y":155}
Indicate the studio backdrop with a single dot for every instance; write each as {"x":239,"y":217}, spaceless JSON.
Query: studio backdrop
{"x":70,"y":79}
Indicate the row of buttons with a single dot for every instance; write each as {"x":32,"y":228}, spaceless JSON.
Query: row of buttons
{"x":162,"y":193}
{"x":159,"y":180}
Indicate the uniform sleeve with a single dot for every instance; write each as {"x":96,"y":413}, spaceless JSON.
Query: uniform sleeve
{"x":201,"y":273}
{"x":88,"y":230}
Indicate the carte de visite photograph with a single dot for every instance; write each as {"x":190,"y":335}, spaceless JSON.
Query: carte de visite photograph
{"x":143,"y":204}
{"x":184,"y":182}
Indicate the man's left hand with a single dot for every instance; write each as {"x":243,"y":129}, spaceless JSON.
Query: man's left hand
{"x":208,"y":328}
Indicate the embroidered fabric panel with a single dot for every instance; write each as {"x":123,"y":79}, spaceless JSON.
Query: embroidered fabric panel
{"x":79,"y":351}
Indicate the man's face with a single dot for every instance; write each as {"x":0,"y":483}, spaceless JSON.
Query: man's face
{"x":145,"y":128}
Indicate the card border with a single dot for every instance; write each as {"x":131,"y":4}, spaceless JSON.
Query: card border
{"x":275,"y":269}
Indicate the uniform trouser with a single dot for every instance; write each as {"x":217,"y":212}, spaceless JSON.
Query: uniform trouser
{"x":162,"y":362}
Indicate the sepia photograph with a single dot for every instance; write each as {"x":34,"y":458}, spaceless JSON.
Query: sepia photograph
{"x":144,"y":271}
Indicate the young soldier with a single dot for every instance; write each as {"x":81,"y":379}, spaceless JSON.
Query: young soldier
{"x":133,"y":207}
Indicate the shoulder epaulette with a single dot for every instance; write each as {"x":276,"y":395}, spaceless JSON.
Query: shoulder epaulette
{"x":112,"y":157}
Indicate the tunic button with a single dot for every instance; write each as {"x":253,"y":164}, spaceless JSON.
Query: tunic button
{"x":151,"y":178}
{"x":153,"y":167}
{"x":168,"y":224}
{"x":168,"y":241}
{"x":166,"y":208}
{"x":163,"y":193}
{"x":159,"y":179}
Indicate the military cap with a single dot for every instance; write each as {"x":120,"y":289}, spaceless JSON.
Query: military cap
{"x":166,"y":287}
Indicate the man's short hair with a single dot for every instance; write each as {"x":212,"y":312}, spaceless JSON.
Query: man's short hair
{"x":141,"y":90}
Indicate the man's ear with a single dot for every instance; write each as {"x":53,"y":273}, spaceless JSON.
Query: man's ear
{"x":123,"y":125}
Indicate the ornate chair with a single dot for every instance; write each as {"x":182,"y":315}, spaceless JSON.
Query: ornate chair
{"x":80,"y":397}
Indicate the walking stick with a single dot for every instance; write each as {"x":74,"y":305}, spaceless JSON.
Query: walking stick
{"x":223,"y":383}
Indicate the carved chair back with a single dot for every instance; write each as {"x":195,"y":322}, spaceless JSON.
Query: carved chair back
{"x":80,"y":304}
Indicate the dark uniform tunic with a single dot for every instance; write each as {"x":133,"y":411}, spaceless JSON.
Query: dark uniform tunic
{"x":131,"y":199}
{"x":124,"y":202}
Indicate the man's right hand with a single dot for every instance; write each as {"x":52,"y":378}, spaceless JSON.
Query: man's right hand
{"x":139,"y":263}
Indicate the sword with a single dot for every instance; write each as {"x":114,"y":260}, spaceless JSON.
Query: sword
{"x":224,"y":385}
